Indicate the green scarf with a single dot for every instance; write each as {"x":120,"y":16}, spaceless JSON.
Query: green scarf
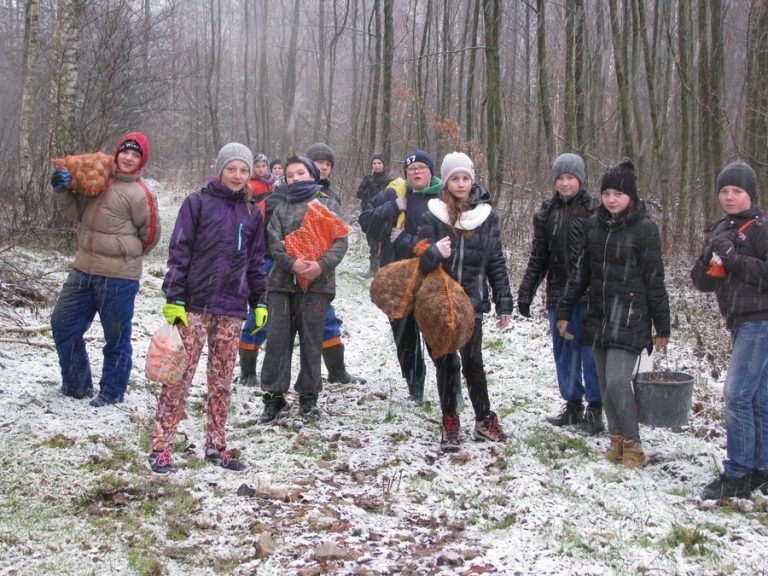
{"x":433,"y":189}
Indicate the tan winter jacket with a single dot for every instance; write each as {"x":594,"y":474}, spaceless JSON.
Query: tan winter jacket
{"x":116,"y":228}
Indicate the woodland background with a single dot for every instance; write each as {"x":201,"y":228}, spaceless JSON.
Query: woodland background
{"x":680,"y":86}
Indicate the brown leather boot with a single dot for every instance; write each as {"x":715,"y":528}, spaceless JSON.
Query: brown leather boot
{"x":614,"y":453}
{"x":633,"y":455}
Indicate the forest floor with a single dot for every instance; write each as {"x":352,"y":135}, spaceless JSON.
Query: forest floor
{"x":365,"y":490}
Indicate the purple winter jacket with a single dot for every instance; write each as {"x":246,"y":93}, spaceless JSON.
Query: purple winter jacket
{"x":216,"y":254}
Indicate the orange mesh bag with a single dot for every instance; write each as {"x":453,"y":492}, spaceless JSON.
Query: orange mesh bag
{"x":319,"y":229}
{"x":394,"y":285}
{"x":444,"y":313}
{"x":90,"y":172}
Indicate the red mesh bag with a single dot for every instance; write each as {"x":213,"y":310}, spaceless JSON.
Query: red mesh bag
{"x":394,"y":285}
{"x":319,"y":229}
{"x":444,"y":313}
{"x":90,"y":172}
{"x":166,"y":357}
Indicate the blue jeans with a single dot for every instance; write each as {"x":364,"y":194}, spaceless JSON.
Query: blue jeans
{"x":574,"y":362}
{"x":81,"y":297}
{"x":746,"y":400}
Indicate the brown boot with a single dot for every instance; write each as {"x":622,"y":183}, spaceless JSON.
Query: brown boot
{"x":633,"y":455}
{"x":614,"y":453}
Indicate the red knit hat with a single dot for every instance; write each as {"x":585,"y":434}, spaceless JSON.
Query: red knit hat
{"x":134,"y":141}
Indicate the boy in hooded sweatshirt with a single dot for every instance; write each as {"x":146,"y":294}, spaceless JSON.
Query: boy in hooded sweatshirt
{"x":463,"y":232}
{"x":739,"y":245}
{"x":115,"y":230}
{"x":393,"y":217}
{"x":621,"y":266}
{"x":292,"y":310}
{"x":215,"y":271}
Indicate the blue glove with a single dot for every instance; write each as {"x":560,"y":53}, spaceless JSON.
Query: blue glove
{"x":60,"y":179}
{"x":260,"y":315}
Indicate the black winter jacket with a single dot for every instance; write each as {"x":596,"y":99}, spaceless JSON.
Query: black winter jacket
{"x":558,"y":237}
{"x":743,"y":294}
{"x":371,"y":185}
{"x":622,"y":267}
{"x":474,"y":262}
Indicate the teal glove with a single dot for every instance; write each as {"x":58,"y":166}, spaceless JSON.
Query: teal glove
{"x":175,"y":313}
{"x":260,"y":315}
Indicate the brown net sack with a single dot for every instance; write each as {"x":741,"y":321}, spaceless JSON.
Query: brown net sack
{"x":90,"y":172}
{"x":319,"y":229}
{"x":444,"y":313}
{"x":393,"y":287}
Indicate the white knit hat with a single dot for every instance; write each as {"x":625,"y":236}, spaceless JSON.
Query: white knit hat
{"x":233,"y":151}
{"x":456,"y":162}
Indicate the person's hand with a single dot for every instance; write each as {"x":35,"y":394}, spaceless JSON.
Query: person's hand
{"x":312,"y":271}
{"x":562,"y":328}
{"x":503,"y":321}
{"x":175,"y":313}
{"x":260,"y":315}
{"x":524,"y":308}
{"x":60,"y":179}
{"x":300,"y":266}
{"x":722,"y":245}
{"x":395,"y":234}
{"x":444,"y":247}
{"x":402,"y":203}
{"x":660,"y":343}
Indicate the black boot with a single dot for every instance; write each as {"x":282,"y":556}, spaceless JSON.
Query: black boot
{"x":248,"y":375}
{"x":592,"y":422}
{"x":308,"y":406}
{"x":373,"y":267}
{"x":274,"y":404}
{"x":459,"y":397}
{"x":572,"y":413}
{"x":416,"y":391}
{"x":337,"y":372}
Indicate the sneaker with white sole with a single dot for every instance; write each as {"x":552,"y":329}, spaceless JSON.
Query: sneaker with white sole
{"x":450,"y":441}
{"x":489,"y":430}
{"x":160,"y":463}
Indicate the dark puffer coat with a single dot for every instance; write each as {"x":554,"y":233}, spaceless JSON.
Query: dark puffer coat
{"x":474,"y":262}
{"x":371,"y":185}
{"x":558,"y":238}
{"x":622,"y":268}
{"x":743,"y":294}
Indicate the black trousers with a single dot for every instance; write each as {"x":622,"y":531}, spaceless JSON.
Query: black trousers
{"x":410,"y":352}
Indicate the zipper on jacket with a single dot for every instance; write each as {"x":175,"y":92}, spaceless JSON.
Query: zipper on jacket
{"x":240,"y":237}
{"x":605,"y":260}
{"x":460,"y":263}
{"x":631,"y":304}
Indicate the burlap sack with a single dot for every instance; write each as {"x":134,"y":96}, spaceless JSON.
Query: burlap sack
{"x":444,"y":313}
{"x":393,"y":287}
{"x":90,"y":172}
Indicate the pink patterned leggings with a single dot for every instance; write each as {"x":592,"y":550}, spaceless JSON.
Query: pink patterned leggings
{"x":223,"y":335}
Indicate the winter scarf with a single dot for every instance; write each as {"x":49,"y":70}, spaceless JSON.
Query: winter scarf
{"x":217,"y":185}
{"x":433,"y":189}
{"x":469,"y":220}
{"x":268,"y":180}
{"x":301,"y":191}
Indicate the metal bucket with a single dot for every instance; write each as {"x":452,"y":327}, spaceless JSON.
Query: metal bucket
{"x":664,"y":398}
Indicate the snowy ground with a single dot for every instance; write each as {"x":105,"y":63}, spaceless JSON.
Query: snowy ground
{"x":365,"y":490}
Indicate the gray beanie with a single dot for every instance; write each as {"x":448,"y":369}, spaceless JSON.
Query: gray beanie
{"x":456,"y":162}
{"x":738,"y":174}
{"x":568,"y":164}
{"x":320,"y":151}
{"x":233,"y":151}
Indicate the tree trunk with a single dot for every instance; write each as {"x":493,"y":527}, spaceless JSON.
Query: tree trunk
{"x":388,"y":56}
{"x":756,"y":115}
{"x":627,"y":146}
{"x":541,"y":57}
{"x":492,"y":17}
{"x":63,"y":86}
{"x":211,"y":90}
{"x":27,"y":141}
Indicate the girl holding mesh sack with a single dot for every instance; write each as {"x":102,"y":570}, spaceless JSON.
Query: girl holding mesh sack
{"x":463,"y":232}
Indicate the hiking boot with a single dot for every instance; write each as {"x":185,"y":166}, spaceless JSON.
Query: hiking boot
{"x":274,"y":404}
{"x":248,"y":375}
{"x":160,"y":463}
{"x":592,"y":421}
{"x":373,"y":267}
{"x":224,"y":459}
{"x":725,"y":487}
{"x":632,"y":455}
{"x":308,"y":406}
{"x":616,"y":450}
{"x":337,"y":371}
{"x":759,"y":480}
{"x":100,"y":401}
{"x":572,"y":413}
{"x":489,"y":429}
{"x":450,"y":440}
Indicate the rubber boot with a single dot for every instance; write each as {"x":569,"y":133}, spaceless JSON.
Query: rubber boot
{"x":373,"y":267}
{"x":632,"y":455}
{"x":248,"y":375}
{"x":572,"y":413}
{"x":614,"y":453}
{"x":337,"y":372}
{"x":416,"y":391}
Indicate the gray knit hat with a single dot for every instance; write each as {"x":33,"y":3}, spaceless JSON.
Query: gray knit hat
{"x":233,"y":151}
{"x":568,"y":164}
{"x":738,"y":174}
{"x":456,"y":162}
{"x":320,"y":151}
